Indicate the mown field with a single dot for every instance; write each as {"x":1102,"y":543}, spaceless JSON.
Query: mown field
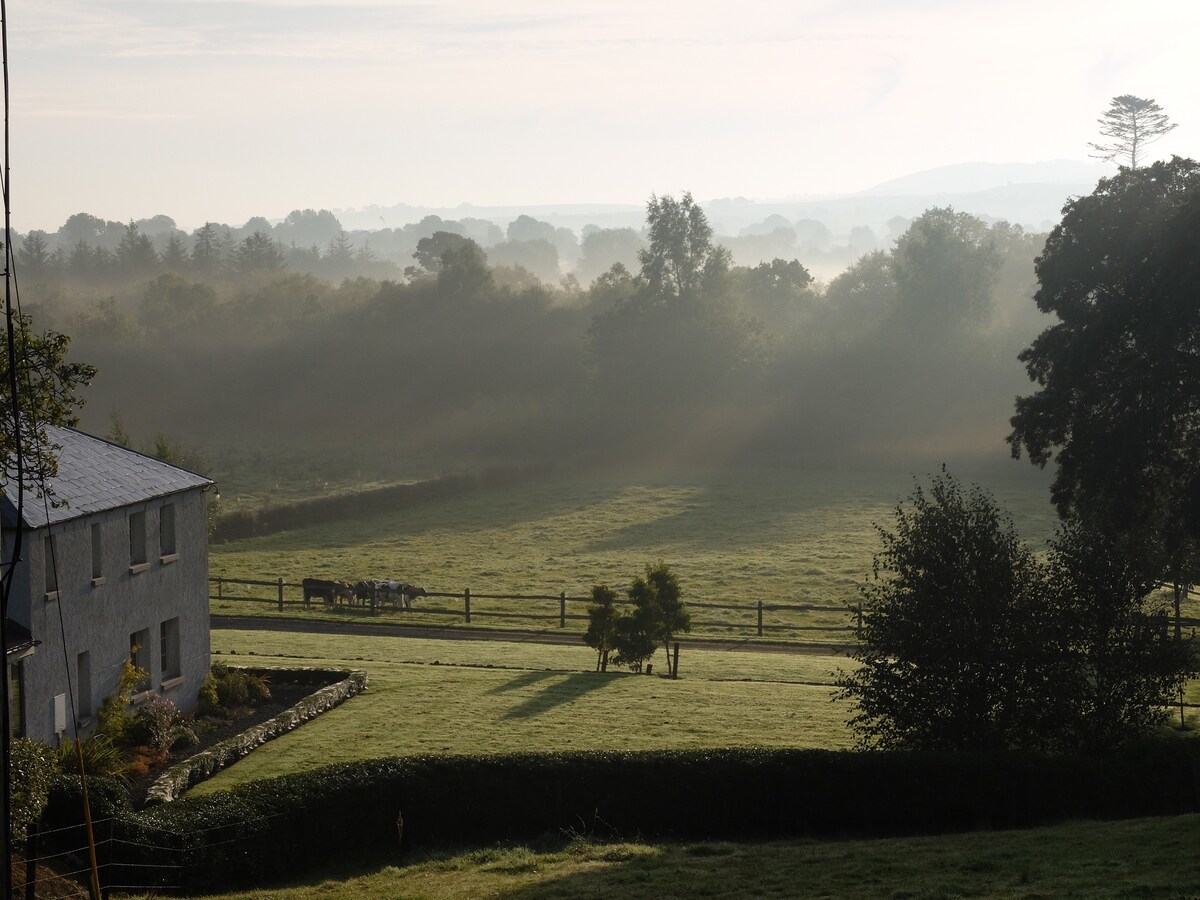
{"x":736,"y":536}
{"x":1138,"y":858}
{"x":466,"y":697}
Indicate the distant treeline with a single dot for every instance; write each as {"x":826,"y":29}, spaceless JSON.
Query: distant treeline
{"x":313,"y":242}
{"x":681,"y":356}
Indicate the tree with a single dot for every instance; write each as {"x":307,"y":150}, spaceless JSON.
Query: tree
{"x":208,"y":249}
{"x":658,"y":614}
{"x":1130,"y":123}
{"x":135,"y":252}
{"x":430,"y":250}
{"x":601,"y":633}
{"x":1126,"y":668}
{"x":48,"y":387}
{"x":945,"y":266}
{"x":957,"y":638}
{"x":681,"y":260}
{"x":968,"y":642}
{"x":1118,"y":398}
{"x":259,"y":253}
{"x":464,"y":271}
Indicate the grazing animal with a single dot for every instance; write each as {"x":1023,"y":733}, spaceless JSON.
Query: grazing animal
{"x":327,"y":590}
{"x":411,"y":592}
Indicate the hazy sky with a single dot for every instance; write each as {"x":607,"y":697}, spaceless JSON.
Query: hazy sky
{"x":203,"y":109}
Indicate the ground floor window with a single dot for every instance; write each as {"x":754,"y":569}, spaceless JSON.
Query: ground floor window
{"x":139,"y":655}
{"x":168,"y":645}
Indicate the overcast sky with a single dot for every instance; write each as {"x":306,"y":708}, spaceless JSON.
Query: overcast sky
{"x":202,"y":109}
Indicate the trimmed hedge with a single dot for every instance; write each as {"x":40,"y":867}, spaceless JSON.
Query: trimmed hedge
{"x":265,"y":830}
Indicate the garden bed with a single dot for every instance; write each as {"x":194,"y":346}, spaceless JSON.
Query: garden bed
{"x":297,"y":695}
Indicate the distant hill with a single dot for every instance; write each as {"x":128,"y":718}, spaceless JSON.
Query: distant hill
{"x":964,"y":178}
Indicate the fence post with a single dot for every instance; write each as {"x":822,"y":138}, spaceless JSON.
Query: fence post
{"x":467,"y":604}
{"x":858,"y":613}
{"x":760,"y":618}
{"x":220,"y":585}
{"x":562,"y":610}
{"x":675,"y":664}
{"x":31,"y":852}
{"x":281,"y":593}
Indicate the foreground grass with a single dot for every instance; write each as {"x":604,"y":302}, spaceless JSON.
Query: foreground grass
{"x":465,"y":697}
{"x":1137,"y":858}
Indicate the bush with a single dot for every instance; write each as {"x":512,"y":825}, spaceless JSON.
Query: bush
{"x":114,"y":717}
{"x":101,"y":758}
{"x":160,"y":726}
{"x":227,"y":690}
{"x":32,"y":767}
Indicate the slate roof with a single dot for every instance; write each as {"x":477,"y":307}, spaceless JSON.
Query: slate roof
{"x":95,"y":475}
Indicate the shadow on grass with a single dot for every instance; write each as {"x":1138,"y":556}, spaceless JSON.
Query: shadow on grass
{"x":523,"y":680}
{"x":569,"y":689}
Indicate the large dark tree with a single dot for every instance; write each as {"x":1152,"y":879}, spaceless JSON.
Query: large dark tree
{"x":1118,"y":399}
{"x":681,"y":260}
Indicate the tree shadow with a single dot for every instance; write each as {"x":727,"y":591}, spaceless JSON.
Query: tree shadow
{"x":523,"y":680}
{"x":559,"y":693}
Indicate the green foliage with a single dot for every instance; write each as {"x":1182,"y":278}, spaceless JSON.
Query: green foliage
{"x":49,"y":387}
{"x":968,"y":642}
{"x":681,"y":261}
{"x":962,"y":645}
{"x":227,"y":690}
{"x":658,"y":614}
{"x":1116,"y":375}
{"x":114,"y":717}
{"x":601,"y":632}
{"x":102,"y":757}
{"x":32,"y":767}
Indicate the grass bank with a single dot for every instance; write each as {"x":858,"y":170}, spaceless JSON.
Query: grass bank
{"x":1137,"y":858}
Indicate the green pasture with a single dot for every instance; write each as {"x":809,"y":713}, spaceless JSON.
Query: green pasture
{"x":1136,"y":858}
{"x":736,"y":537}
{"x":468,"y":697}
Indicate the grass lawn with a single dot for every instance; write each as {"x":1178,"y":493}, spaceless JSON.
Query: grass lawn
{"x":782,"y":535}
{"x":1137,"y":858}
{"x":431,"y":696}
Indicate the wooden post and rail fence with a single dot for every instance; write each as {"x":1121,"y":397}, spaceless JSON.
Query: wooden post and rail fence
{"x":827,"y":623}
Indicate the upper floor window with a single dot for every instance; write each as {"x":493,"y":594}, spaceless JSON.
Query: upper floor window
{"x":97,"y":551}
{"x":51,"y":574}
{"x":137,"y":538}
{"x":166,"y":530}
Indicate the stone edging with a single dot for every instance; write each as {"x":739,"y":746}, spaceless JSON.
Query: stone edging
{"x":195,"y":769}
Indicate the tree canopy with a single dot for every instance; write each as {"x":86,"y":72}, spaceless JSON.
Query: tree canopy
{"x":1118,"y":398}
{"x":1130,"y":123}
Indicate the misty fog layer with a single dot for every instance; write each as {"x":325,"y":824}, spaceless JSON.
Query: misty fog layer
{"x":489,"y":352}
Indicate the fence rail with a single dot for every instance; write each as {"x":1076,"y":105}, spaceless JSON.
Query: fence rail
{"x":761,"y":618}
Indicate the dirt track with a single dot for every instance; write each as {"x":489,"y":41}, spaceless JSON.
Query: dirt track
{"x":549,"y":636}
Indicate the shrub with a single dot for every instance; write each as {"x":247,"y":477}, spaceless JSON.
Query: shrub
{"x":101,"y":757}
{"x":114,"y":716}
{"x":32,"y":767}
{"x":160,"y":726}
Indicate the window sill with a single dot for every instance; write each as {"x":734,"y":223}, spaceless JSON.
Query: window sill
{"x":170,"y":683}
{"x":168,"y":559}
{"x":51,"y":595}
{"x":142,"y":697}
{"x":99,"y":580}
{"x":138,"y":568}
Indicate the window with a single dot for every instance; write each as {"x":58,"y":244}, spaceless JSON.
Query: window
{"x":166,"y":531}
{"x":139,"y":655}
{"x":51,"y":575}
{"x":16,"y":699}
{"x":137,"y":539}
{"x":168,"y":648}
{"x":83,"y":668}
{"x":97,"y":553}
